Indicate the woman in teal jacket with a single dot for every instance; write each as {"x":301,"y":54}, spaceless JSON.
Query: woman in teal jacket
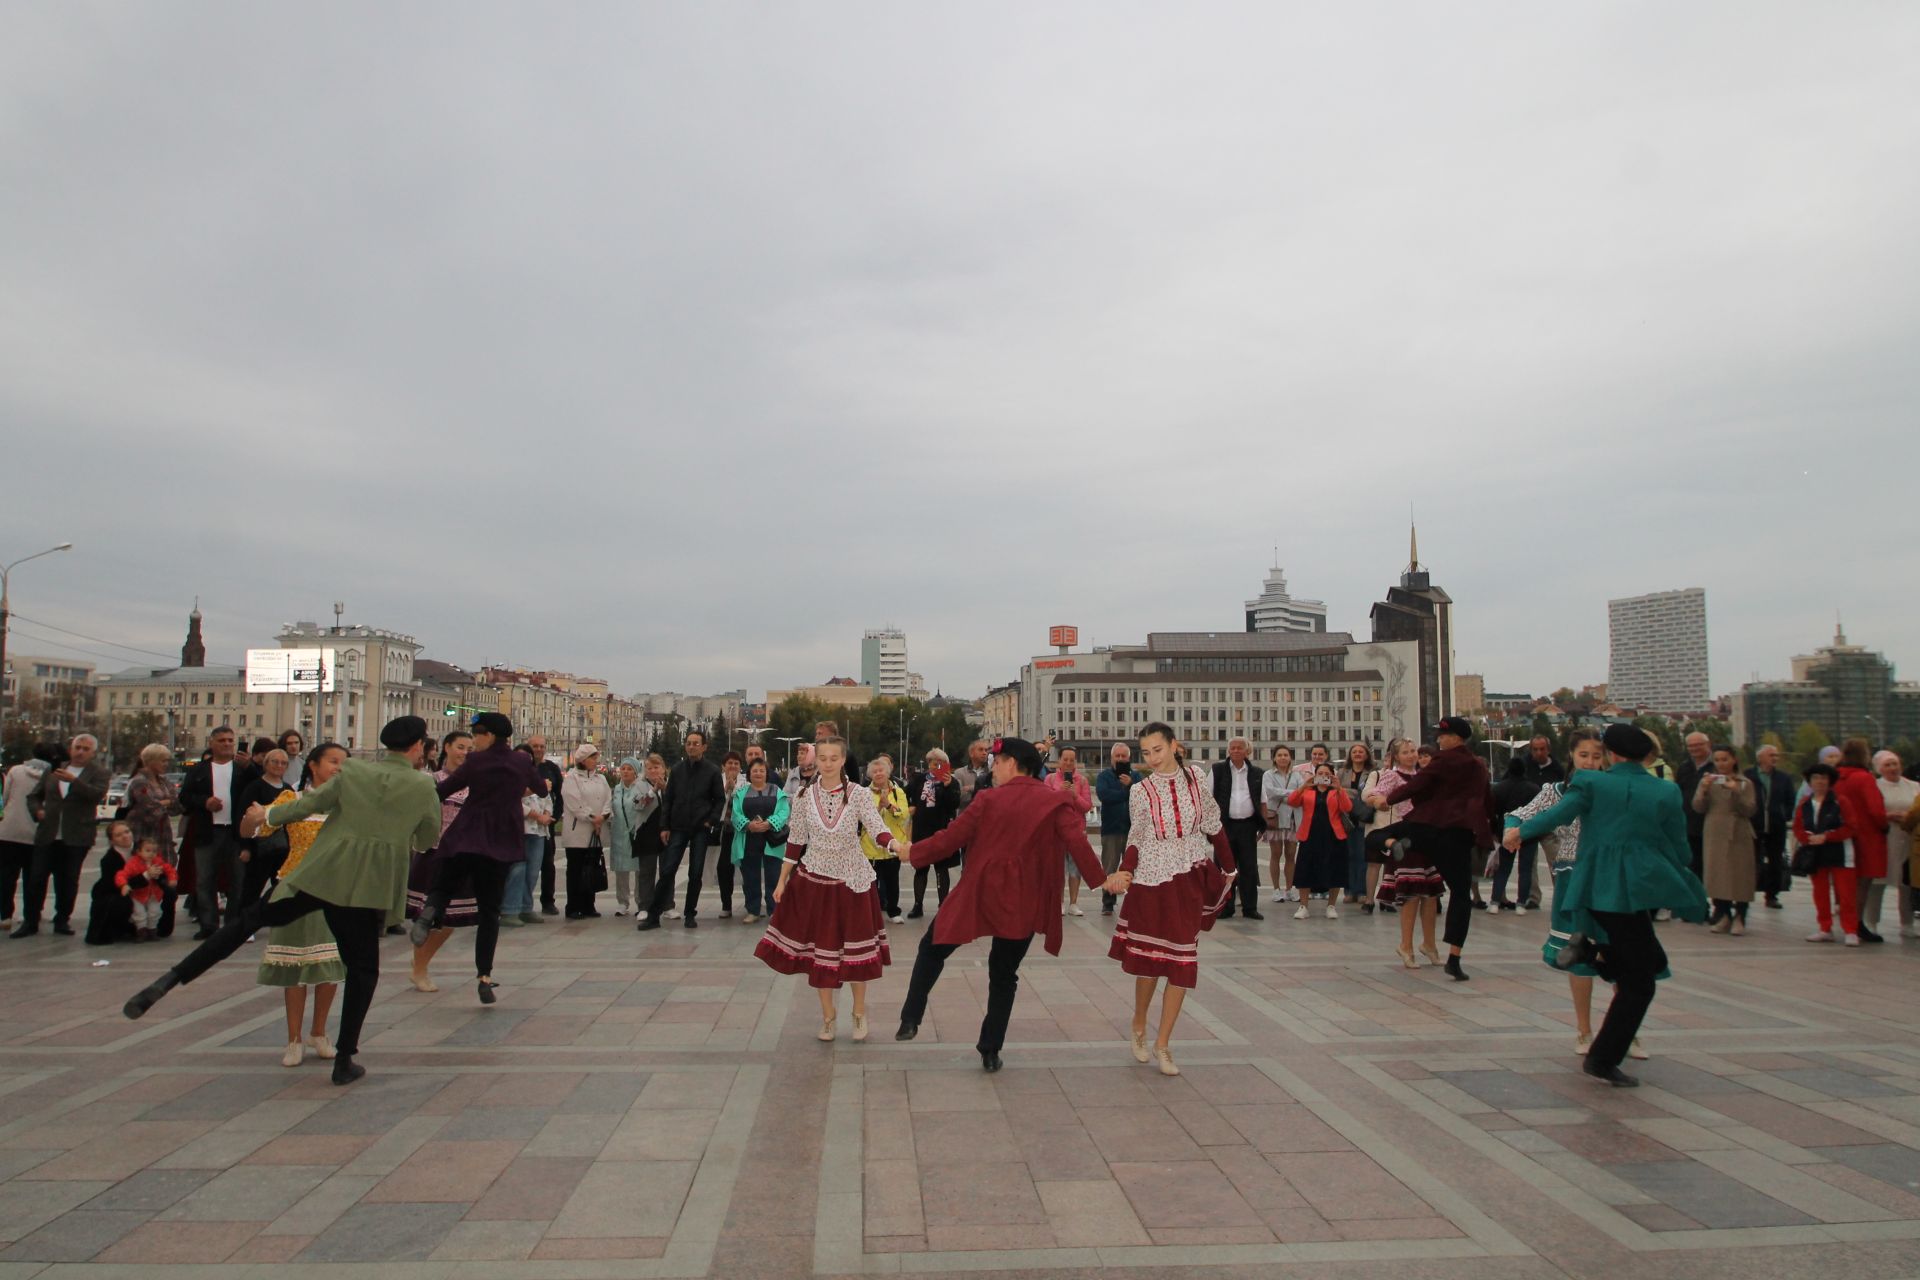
{"x":1634,"y":860}
{"x":759,"y":815}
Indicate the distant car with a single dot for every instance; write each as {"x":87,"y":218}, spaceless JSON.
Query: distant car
{"x":117,"y":790}
{"x":176,"y":777}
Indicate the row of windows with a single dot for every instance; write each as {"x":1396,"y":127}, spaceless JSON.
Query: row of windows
{"x":1371,"y":694}
{"x":1185,"y":715}
{"x":1262,"y":746}
{"x":1291,"y":662}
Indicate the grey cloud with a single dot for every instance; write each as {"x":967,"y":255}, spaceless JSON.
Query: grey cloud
{"x":681,"y":344}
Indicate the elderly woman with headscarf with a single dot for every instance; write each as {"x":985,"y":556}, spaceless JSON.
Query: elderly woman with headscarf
{"x":634,"y":800}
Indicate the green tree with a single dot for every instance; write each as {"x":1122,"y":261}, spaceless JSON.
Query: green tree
{"x":131,"y":734}
{"x":1807,"y":741}
{"x":721,"y":739}
{"x":667,"y":743}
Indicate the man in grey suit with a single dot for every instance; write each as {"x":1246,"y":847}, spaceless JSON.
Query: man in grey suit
{"x":64,"y":803}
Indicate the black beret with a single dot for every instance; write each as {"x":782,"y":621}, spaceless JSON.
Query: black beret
{"x":1021,"y":752}
{"x":1628,"y":742}
{"x":398,"y":735}
{"x":495,"y":723}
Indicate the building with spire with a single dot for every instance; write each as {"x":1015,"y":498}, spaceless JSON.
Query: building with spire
{"x":194,"y":652}
{"x":1844,"y":690}
{"x":1417,"y":610}
{"x":1274,"y":609}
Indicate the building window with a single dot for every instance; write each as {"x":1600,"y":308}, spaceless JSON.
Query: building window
{"x":1187,"y":715}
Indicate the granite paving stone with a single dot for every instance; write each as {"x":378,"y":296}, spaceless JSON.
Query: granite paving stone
{"x":385,"y":1233}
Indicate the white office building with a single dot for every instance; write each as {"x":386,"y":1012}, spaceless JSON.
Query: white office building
{"x":883,"y":662}
{"x":1213,"y":687}
{"x":1274,"y":609}
{"x":1657,"y":658}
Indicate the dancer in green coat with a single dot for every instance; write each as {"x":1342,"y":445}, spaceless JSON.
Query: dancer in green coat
{"x":1634,"y":860}
{"x":377,"y":814}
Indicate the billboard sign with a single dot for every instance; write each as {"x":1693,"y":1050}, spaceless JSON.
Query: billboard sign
{"x":1063,"y":637}
{"x":290,"y":670}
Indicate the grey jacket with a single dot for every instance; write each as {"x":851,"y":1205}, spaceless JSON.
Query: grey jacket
{"x":70,"y":819}
{"x":17,"y":824}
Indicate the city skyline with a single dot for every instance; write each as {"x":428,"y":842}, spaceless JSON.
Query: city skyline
{"x":1097,"y":308}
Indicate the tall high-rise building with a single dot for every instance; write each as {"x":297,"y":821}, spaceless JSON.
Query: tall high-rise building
{"x":1276,"y":610}
{"x":1657,"y":657}
{"x":883,"y":662}
{"x":1419,"y":611}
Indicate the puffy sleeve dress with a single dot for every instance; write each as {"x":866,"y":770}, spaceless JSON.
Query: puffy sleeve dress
{"x":301,"y":954}
{"x":828,"y":923}
{"x":1178,"y":886}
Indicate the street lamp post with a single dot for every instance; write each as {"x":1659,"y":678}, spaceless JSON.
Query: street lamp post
{"x":6,"y":571}
{"x":790,"y":742}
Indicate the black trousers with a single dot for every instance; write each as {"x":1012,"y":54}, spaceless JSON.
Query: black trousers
{"x":1771,"y":849}
{"x":61,"y":862}
{"x":546,"y":876}
{"x":723,"y":876}
{"x":580,"y":866}
{"x":16,"y":865}
{"x":1243,"y":837}
{"x":217,"y":854}
{"x":1631,"y":958}
{"x":1453,"y":855}
{"x":692,"y":846}
{"x":487,"y":879}
{"x":260,"y":870}
{"x":887,"y":872}
{"x":1003,"y":983}
{"x":942,"y":872}
{"x":356,"y":931}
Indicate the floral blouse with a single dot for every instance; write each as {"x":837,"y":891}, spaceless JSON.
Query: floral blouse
{"x":1173,"y":816}
{"x":823,"y":834}
{"x":1568,"y":836}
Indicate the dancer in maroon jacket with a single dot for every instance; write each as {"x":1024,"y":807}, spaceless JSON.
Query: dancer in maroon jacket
{"x":1014,"y":834}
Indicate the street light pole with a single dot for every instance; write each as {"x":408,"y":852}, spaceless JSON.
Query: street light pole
{"x":6,"y":571}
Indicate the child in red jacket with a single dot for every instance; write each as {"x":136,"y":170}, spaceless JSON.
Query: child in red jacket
{"x":141,"y":881}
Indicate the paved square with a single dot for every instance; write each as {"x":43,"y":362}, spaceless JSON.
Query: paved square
{"x":657,"y":1105}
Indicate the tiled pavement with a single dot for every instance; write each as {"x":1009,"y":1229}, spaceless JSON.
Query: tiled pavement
{"x":657,"y":1105}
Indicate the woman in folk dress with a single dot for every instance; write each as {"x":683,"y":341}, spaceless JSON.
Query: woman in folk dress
{"x":826,"y":922}
{"x":303,"y":954}
{"x":1174,"y":886}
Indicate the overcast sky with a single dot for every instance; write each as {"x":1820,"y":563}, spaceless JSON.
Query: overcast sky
{"x":679,"y":344}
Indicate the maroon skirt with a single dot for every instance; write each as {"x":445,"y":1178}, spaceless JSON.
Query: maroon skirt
{"x":827,"y":931}
{"x":1159,"y":927}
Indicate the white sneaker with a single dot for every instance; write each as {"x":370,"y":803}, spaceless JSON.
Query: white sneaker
{"x":1853,"y":939}
{"x":895,"y":919}
{"x":1332,"y":914}
{"x":1581,"y":1044}
{"x":1073,"y":909}
{"x":1819,"y":935}
{"x":1663,"y":914}
{"x":1280,"y":895}
{"x":1301,"y":914}
{"x":295,"y":1051}
{"x":1519,"y":908}
{"x":1637,"y":1053}
{"x":322,"y":1048}
{"x":671,"y":914}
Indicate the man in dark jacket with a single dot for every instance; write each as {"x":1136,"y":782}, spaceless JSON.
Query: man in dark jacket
{"x":210,"y":796}
{"x":550,"y":770}
{"x":64,"y":802}
{"x":1114,"y":789}
{"x":1697,"y":765}
{"x":1773,"y":793}
{"x":1509,"y":794}
{"x":1236,"y":789}
{"x":1542,"y":768}
{"x":1452,"y":807}
{"x":694,"y":801}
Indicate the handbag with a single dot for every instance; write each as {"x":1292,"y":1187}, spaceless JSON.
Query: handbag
{"x":1803,"y":863}
{"x":597,"y":868}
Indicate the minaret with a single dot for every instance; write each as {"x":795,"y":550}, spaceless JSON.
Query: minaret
{"x":194,"y":652}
